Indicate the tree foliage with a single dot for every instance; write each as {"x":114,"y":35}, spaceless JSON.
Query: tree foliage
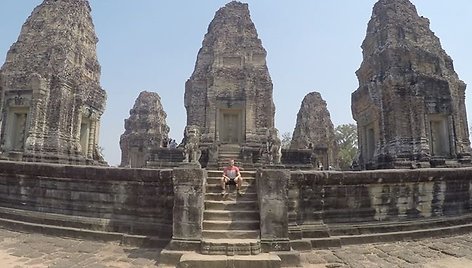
{"x":346,"y":139}
{"x":286,"y":140}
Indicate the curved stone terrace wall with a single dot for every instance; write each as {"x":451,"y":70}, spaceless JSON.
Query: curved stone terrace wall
{"x":127,"y":201}
{"x":307,"y":208}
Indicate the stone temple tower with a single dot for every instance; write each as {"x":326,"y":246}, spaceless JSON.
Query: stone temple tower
{"x":229,"y":95}
{"x":51,"y":100}
{"x":315,"y":130}
{"x":409,"y":106}
{"x":145,"y":129}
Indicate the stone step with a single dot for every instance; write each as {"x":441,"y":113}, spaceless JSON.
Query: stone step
{"x":115,"y":237}
{"x":216,"y":188}
{"x":230,"y":247}
{"x":232,"y":234}
{"x":223,"y":162}
{"x":218,"y":173}
{"x":226,"y":153}
{"x":215,"y":180}
{"x":224,"y":215}
{"x":229,"y":150}
{"x":233,"y":154}
{"x":231,"y":196}
{"x":195,"y":260}
{"x":86,"y":223}
{"x":231,"y":205}
{"x":170,"y":258}
{"x":231,"y":225}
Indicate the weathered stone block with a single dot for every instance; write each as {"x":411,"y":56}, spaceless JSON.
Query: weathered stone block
{"x":272,"y":187}
{"x":189,"y":192}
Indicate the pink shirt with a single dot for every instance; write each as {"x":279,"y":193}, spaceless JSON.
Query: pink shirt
{"x":231,"y":172}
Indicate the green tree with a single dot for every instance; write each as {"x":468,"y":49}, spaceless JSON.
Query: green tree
{"x":346,"y":139}
{"x":286,"y":140}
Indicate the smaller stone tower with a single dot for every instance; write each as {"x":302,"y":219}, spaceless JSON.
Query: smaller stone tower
{"x":314,"y":130}
{"x":145,"y":129}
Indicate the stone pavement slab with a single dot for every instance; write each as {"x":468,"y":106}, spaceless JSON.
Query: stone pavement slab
{"x":19,"y":250}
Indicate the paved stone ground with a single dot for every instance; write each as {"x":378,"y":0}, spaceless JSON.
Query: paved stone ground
{"x":35,"y":250}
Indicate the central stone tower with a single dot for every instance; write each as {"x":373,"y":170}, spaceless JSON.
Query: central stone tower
{"x":229,"y":95}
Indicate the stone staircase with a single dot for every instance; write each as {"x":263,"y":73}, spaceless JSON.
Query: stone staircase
{"x":231,"y":223}
{"x":231,"y":231}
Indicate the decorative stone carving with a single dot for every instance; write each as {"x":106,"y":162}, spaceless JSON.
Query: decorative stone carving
{"x":213,"y":153}
{"x":52,"y":99}
{"x":409,"y":106}
{"x":229,"y":95}
{"x":145,"y":129}
{"x":314,"y":130}
{"x":274,"y":146}
{"x":192,"y":151}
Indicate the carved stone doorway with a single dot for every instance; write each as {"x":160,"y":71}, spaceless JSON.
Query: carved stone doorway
{"x":231,"y":126}
{"x":439,"y":136}
{"x":16,"y":129}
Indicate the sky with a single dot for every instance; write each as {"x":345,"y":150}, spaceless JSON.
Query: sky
{"x":312,"y":45}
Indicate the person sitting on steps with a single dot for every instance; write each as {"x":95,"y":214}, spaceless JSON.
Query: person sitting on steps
{"x":231,"y":176}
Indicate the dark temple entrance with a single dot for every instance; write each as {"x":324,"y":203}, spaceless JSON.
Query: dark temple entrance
{"x":231,"y":126}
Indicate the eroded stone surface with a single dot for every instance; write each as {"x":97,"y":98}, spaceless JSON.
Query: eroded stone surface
{"x":315,"y":130}
{"x":272,"y":187}
{"x":409,"y":106}
{"x":52,"y":100}
{"x":229,"y":95}
{"x":35,"y":250}
{"x":145,"y":129}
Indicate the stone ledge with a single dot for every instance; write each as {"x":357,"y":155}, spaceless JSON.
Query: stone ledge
{"x":230,"y":247}
{"x":289,"y":258}
{"x":123,"y":239}
{"x":339,"y":241}
{"x":195,"y":260}
{"x":86,"y":223}
{"x":396,"y":226}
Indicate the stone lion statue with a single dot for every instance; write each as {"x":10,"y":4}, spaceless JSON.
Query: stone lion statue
{"x":192,"y":151}
{"x":274,"y":146}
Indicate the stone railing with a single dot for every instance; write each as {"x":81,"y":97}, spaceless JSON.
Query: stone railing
{"x":165,"y":158}
{"x":129,"y":201}
{"x":297,"y":158}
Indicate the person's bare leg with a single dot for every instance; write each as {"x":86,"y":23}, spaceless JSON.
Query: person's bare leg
{"x":223,"y":185}
{"x":239,"y":183}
